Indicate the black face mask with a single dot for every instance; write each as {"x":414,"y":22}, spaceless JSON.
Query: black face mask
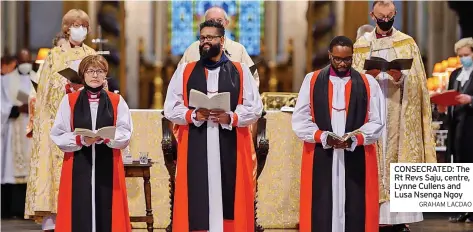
{"x":213,"y":51}
{"x":383,"y":25}
{"x":93,"y":90}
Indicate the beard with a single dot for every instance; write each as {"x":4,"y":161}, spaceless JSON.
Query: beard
{"x":339,"y":72}
{"x":212,"y":51}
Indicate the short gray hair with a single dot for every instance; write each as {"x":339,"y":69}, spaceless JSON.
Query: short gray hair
{"x":363,"y":29}
{"x":217,"y":7}
{"x":465,"y":42}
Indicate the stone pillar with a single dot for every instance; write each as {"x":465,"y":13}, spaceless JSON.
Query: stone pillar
{"x":442,"y":33}
{"x":271,"y":28}
{"x":11,"y":26}
{"x":160,"y":24}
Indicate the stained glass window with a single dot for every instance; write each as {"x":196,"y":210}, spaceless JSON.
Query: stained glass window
{"x":246,"y":22}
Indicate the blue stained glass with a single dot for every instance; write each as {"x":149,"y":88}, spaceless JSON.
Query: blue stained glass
{"x":245,"y":22}
{"x":250,"y":26}
{"x":181,"y":26}
{"x":229,"y":6}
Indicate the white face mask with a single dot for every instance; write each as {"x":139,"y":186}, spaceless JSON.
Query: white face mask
{"x":25,"y":68}
{"x":78,"y":34}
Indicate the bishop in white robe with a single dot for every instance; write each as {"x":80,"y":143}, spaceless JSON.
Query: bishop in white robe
{"x":213,"y":158}
{"x":339,"y":187}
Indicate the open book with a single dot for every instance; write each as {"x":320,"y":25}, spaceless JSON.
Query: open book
{"x":71,"y":75}
{"x":220,"y":101}
{"x":107,"y":132}
{"x":345,"y":137}
{"x":384,"y":65}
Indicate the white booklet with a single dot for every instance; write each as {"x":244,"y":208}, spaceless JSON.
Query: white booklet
{"x":107,"y":132}
{"x":22,"y":97}
{"x":220,"y":101}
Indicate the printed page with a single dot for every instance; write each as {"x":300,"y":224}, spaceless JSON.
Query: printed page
{"x":198,"y":99}
{"x":84,"y":132}
{"x":220,"y":101}
{"x":107,"y":132}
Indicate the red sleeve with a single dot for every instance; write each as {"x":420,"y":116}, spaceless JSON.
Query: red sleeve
{"x":235,"y":120}
{"x":105,"y":141}
{"x":360,"y":139}
{"x":78,"y":140}
{"x":189,"y":116}
{"x":317,"y":135}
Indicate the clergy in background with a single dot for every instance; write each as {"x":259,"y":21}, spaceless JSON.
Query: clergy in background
{"x":46,"y":161}
{"x":406,"y":109}
{"x":234,"y":51}
{"x":214,"y":183}
{"x":92,"y":191}
{"x":339,"y":185}
{"x":460,"y":117}
{"x":16,"y":88}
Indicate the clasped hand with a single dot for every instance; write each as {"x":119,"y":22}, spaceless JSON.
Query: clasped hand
{"x":338,"y":144}
{"x":90,"y":140}
{"x":396,"y":74}
{"x":217,"y":116}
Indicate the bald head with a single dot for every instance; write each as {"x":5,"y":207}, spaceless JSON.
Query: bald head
{"x":363,"y":29}
{"x":24,"y":56}
{"x":217,"y":14}
{"x":383,"y":14}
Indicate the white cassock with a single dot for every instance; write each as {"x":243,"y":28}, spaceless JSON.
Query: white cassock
{"x":63,"y":137}
{"x":248,"y":113}
{"x":16,"y":148}
{"x":305,"y":129}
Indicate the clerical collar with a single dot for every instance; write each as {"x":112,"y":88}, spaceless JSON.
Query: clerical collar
{"x":379,"y":36}
{"x":93,"y":95}
{"x":333,"y":73}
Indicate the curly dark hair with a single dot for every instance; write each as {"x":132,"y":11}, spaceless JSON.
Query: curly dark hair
{"x":215,"y":24}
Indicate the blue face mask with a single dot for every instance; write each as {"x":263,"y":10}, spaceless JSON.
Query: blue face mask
{"x":467,"y":61}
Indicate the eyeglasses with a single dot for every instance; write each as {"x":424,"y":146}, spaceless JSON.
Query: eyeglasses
{"x":208,"y":38}
{"x":345,"y":60}
{"x":77,"y":25}
{"x":384,"y":18}
{"x":99,"y":72}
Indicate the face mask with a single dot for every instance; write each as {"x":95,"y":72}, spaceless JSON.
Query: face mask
{"x":383,"y":25}
{"x":467,"y":61}
{"x":78,"y":34}
{"x":25,"y":68}
{"x":213,"y":51}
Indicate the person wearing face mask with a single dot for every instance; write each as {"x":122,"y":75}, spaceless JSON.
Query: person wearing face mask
{"x":92,"y":190}
{"x":460,"y":117}
{"x":46,"y":161}
{"x":16,"y":88}
{"x":339,"y":184}
{"x":406,"y":109}
{"x":215,"y":147}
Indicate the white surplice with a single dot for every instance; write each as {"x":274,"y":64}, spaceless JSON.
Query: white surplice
{"x":15,"y":145}
{"x":248,"y":113}
{"x":305,"y":129}
{"x":63,"y":137}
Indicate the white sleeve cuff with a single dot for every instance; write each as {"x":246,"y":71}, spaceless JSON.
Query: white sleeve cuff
{"x":196,"y":123}
{"x":228,"y":126}
{"x":353,"y":144}
{"x":323,"y":139}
